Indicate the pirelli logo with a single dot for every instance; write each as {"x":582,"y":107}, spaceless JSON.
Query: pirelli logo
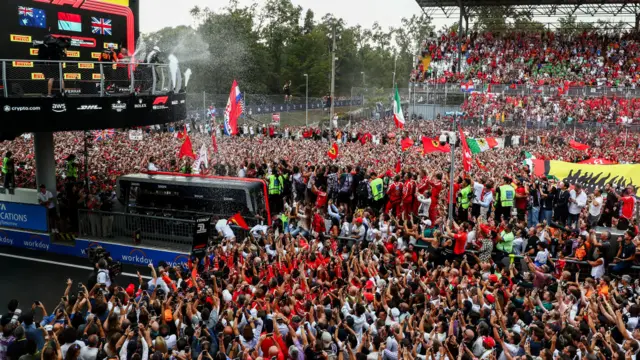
{"x":73,"y":53}
{"x":96,"y":76}
{"x":86,"y":66}
{"x":113,"y":45}
{"x":114,"y":66}
{"x":21,"y":38}
{"x":37,"y":76}
{"x":72,"y":76}
{"x":33,"y":52}
{"x":95,"y":55}
{"x":23,"y":64}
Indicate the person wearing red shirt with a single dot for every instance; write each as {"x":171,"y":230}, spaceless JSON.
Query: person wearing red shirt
{"x":626,"y":210}
{"x":522,"y":198}
{"x":395,"y":196}
{"x":408,"y":195}
{"x":436,"y":188}
{"x":459,"y":237}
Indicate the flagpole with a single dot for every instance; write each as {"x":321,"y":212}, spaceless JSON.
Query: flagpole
{"x":452,"y":170}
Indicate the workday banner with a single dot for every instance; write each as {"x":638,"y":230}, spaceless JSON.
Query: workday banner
{"x":123,"y":253}
{"x":23,"y":216}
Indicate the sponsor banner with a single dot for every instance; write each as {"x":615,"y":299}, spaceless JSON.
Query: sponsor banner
{"x":96,"y":55}
{"x":96,"y":76}
{"x":37,"y":76}
{"x":590,"y":176}
{"x":113,"y":45}
{"x":140,"y":105}
{"x":21,"y":38}
{"x":128,"y":254}
{"x":73,"y":53}
{"x":86,"y":65}
{"x":73,"y":91}
{"x":125,"y":254}
{"x":23,"y":216}
{"x":86,"y":107}
{"x":160,"y":103}
{"x":72,"y":76}
{"x":22,"y":64}
{"x":33,"y":52}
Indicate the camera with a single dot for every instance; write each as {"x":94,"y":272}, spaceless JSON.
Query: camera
{"x":98,"y":253}
{"x":52,"y":48}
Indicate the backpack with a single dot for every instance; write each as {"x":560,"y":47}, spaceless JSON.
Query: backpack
{"x":363,"y":190}
{"x":346,"y":185}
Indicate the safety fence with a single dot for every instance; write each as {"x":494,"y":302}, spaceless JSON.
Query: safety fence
{"x":526,"y":90}
{"x":29,"y":78}
{"x":204,"y":105}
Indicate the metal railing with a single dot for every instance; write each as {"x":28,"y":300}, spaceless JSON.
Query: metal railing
{"x":529,"y":90}
{"x":25,"y":78}
{"x":156,"y":231}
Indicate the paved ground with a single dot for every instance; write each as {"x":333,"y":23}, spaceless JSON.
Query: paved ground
{"x":28,"y":276}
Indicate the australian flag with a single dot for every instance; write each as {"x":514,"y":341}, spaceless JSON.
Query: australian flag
{"x":32,"y":17}
{"x":101,"y":26}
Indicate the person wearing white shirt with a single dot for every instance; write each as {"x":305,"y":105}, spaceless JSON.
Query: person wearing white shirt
{"x":46,"y":199}
{"x":577,"y":201}
{"x":595,"y":208}
{"x":223,"y":228}
{"x":152,"y":165}
{"x":485,"y":200}
{"x":425,"y":204}
{"x":478,"y":188}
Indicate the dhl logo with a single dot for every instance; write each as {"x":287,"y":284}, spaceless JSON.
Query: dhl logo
{"x":73,"y":53}
{"x":21,"y":38}
{"x":33,"y":52}
{"x":95,"y":55}
{"x":72,"y":76}
{"x":96,"y":76}
{"x":78,"y":3}
{"x":37,"y":76}
{"x":23,"y":64}
{"x":86,"y":66}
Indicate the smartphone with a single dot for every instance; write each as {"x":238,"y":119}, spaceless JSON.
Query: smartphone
{"x":80,"y":285}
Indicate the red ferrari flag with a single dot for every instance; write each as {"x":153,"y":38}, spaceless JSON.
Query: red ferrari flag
{"x":578,"y":146}
{"x":186,"y":149}
{"x":238,"y":220}
{"x":466,"y":152}
{"x":433,"y":145}
{"x":481,"y":165}
{"x":333,"y":151}
{"x":406,"y":143}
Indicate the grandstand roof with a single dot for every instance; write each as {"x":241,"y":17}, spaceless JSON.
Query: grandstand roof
{"x":538,"y":7}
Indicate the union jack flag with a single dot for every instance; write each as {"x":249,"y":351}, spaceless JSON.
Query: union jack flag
{"x":25,"y":11}
{"x":101,"y":26}
{"x":101,"y":135}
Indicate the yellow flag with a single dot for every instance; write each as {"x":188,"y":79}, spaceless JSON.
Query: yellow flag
{"x":426,"y":61}
{"x":503,"y":116}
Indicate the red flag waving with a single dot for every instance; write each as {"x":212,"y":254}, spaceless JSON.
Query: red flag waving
{"x":182,"y":134}
{"x":466,"y":152}
{"x":398,"y":167}
{"x":481,"y":165}
{"x":406,"y":143}
{"x":578,"y":146}
{"x":186,"y":149}
{"x":237,"y":219}
{"x":333,"y":152}
{"x":433,"y":145}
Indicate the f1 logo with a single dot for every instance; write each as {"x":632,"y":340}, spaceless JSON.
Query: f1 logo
{"x":161,"y":100}
{"x":74,"y":3}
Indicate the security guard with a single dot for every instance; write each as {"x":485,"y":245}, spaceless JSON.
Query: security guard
{"x":464,"y":200}
{"x":276,"y":186}
{"x":504,"y":199}
{"x":377,"y":191}
{"x":9,"y":171}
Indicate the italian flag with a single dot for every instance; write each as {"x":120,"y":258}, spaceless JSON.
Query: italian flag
{"x":398,"y":115}
{"x":481,"y":144}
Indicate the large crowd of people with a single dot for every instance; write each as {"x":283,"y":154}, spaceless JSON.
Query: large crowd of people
{"x":591,"y":58}
{"x":364,"y":260}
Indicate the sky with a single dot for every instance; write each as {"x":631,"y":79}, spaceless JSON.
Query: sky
{"x":157,"y":14}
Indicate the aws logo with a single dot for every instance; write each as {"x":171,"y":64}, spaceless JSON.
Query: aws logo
{"x":137,"y":256}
